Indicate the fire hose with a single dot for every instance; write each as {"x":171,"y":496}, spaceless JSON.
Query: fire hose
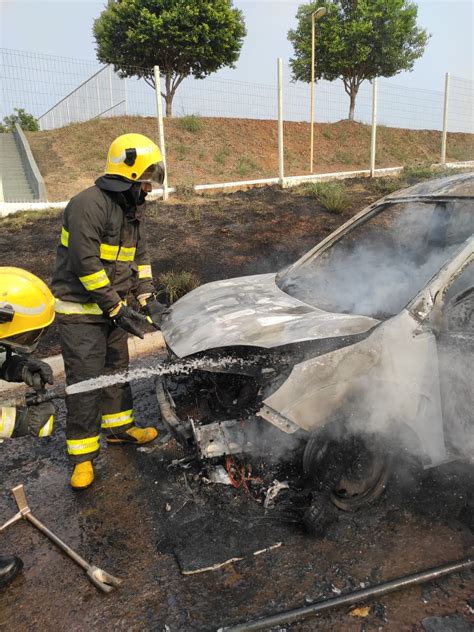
{"x":249,"y":366}
{"x":298,"y":614}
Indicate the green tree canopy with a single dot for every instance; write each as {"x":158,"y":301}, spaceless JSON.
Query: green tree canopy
{"x":357,"y":40}
{"x":182,"y":37}
{"x":26,"y":121}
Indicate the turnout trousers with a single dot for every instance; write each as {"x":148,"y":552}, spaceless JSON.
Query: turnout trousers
{"x":89,"y":351}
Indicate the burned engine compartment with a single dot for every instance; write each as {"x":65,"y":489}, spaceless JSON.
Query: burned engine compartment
{"x":219,"y":408}
{"x":216,"y":409}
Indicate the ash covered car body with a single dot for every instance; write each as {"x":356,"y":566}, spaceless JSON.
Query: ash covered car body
{"x":363,"y":346}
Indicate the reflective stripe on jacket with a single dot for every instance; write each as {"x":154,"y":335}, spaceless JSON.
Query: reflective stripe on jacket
{"x":101,"y":257}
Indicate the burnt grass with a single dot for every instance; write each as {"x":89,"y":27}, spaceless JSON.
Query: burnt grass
{"x":148,"y":515}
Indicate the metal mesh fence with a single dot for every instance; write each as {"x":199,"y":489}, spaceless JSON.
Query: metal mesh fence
{"x":227,"y":99}
{"x":238,"y":132}
{"x":461,"y":105}
{"x":331,"y":101}
{"x":37,"y":82}
{"x":409,"y":108}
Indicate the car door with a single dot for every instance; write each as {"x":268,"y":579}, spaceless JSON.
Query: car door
{"x":455,"y":339}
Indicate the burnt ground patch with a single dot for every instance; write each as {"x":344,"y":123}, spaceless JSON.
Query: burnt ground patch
{"x":144,"y":511}
{"x":122,"y":524}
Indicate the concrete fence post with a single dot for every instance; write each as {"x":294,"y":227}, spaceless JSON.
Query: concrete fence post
{"x":125,"y":92}
{"x":281,"y":159}
{"x":110,"y":87}
{"x":373,"y":141}
{"x":444,"y":135}
{"x":161,"y":131}
{"x":98,"y":95}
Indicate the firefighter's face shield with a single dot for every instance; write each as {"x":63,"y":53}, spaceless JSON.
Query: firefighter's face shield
{"x":26,"y":342}
{"x":155,"y":174}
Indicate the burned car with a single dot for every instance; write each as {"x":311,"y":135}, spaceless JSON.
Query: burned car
{"x":361,"y":351}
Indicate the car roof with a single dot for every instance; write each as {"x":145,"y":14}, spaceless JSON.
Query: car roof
{"x":460,"y":185}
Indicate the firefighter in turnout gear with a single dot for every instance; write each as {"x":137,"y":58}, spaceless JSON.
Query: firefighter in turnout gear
{"x":102,"y":261}
{"x":26,"y":309}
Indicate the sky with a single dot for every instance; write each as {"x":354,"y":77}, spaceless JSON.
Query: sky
{"x":65,"y":29}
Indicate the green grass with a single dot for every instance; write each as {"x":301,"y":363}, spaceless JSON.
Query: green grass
{"x":193,"y":214}
{"x":185,"y":191}
{"x":246,"y":166}
{"x":384,"y":186}
{"x":416,"y":173}
{"x":177,"y":284}
{"x":331,"y":195}
{"x":459,"y":152}
{"x":191,"y":123}
{"x":181,"y":151}
{"x":345,"y":157}
{"x":217,"y":210}
{"x":221,"y":156}
{"x":408,"y":177}
{"x":21,"y":219}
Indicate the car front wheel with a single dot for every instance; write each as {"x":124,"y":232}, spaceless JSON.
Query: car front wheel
{"x":352,"y":469}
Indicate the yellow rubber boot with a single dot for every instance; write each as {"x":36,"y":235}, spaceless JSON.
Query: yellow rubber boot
{"x":83,"y":475}
{"x":134,"y":435}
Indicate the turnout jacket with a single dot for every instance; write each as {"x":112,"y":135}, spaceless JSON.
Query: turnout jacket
{"x":102,"y":255}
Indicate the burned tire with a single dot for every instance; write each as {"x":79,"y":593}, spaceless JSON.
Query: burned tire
{"x":319,"y":515}
{"x":352,"y":469}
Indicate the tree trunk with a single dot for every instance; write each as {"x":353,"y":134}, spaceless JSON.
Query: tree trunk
{"x":352,"y":95}
{"x":169,"y":94}
{"x":169,"y":104}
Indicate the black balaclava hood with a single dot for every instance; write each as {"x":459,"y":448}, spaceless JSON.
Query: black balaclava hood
{"x":132,"y":191}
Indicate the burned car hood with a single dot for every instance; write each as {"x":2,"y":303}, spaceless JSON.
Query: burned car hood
{"x":250,"y":311}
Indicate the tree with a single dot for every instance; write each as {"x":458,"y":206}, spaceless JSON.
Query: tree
{"x":26,"y":121}
{"x":183,"y":37}
{"x":357,"y":40}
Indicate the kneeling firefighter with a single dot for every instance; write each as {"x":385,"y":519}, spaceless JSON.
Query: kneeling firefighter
{"x":26,"y":309}
{"x":102,"y":261}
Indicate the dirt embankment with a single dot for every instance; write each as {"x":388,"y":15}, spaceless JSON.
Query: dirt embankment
{"x":206,"y":150}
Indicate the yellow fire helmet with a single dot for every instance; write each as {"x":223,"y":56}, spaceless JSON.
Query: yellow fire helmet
{"x":26,"y":309}
{"x":136,"y":158}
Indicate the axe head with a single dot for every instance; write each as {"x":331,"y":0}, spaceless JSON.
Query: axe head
{"x":20,"y":497}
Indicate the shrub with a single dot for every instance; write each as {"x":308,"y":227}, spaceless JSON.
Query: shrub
{"x":177,"y":284}
{"x":191,"y":123}
{"x":331,"y":195}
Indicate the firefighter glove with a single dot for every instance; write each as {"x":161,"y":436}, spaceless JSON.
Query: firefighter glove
{"x":36,"y":420}
{"x":154,"y":310}
{"x":127,"y":319}
{"x":31,"y":371}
